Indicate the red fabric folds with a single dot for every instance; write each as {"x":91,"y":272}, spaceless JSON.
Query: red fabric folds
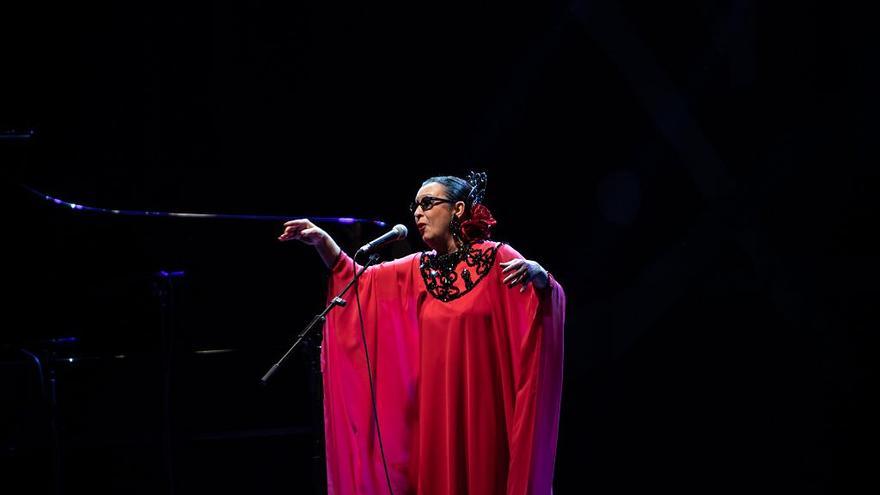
{"x":467,"y":391}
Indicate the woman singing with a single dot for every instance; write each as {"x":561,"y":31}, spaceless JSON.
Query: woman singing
{"x":465,"y":350}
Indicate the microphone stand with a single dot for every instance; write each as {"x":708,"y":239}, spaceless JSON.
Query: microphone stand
{"x":315,"y":381}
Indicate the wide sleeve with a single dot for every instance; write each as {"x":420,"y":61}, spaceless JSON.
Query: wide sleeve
{"x":535,"y":320}
{"x":388,"y":306}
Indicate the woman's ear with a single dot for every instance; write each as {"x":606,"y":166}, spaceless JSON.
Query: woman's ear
{"x":459,"y":209}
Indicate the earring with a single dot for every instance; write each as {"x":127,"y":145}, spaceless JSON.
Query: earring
{"x":455,"y":228}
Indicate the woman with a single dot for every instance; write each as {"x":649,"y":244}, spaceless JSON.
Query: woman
{"x":465,"y":350}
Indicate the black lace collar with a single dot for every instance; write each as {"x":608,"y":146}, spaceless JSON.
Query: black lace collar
{"x":444,"y":274}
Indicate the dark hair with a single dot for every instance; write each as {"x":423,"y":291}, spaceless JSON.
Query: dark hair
{"x":471,"y":191}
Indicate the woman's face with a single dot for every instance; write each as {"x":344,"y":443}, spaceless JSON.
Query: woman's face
{"x":433,"y":223}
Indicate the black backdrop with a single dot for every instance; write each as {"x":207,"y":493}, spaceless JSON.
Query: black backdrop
{"x":699,"y":178}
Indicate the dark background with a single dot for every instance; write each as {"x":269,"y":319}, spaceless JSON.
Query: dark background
{"x":700,"y":177}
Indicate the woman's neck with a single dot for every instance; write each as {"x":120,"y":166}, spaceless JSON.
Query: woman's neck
{"x":449,"y":247}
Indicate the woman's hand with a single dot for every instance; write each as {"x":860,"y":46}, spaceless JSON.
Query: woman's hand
{"x":303,"y":230}
{"x":306,"y":232}
{"x":522,"y":271}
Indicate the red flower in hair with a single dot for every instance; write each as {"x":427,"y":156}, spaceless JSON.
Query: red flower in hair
{"x":478,"y":225}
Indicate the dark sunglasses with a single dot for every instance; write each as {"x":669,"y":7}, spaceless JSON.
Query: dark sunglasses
{"x":427,"y":203}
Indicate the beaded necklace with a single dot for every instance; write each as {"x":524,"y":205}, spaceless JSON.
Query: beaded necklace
{"x":440,"y":271}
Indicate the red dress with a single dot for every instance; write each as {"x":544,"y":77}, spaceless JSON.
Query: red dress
{"x":467,"y":390}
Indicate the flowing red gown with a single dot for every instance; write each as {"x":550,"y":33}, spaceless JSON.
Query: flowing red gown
{"x":467,"y":391}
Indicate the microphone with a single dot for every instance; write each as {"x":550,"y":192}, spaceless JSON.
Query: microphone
{"x":397,"y":233}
